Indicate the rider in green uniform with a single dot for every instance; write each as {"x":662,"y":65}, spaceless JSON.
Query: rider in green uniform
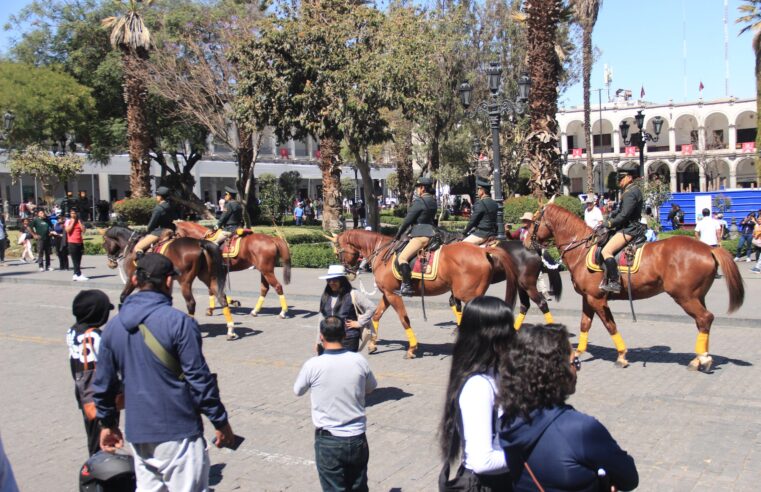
{"x":162,"y":218}
{"x":232,"y":218}
{"x":483,"y":218}
{"x":419,"y":219}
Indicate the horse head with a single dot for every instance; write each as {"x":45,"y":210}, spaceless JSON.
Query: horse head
{"x":115,"y":242}
{"x":539,"y":231}
{"x":347,"y":251}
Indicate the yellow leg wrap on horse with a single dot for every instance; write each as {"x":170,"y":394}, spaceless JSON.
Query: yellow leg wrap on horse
{"x":259,"y":304}
{"x":212,"y":303}
{"x":375,"y":327}
{"x":519,"y":320}
{"x":583,"y":339}
{"x":229,"y":301}
{"x":283,"y":304}
{"x":457,"y":314}
{"x":548,"y":317}
{"x":228,"y":315}
{"x":701,"y":344}
{"x":618,"y":342}
{"x":411,"y":337}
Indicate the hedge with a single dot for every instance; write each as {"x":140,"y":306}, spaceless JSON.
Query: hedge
{"x":315,"y":255}
{"x":135,"y":210}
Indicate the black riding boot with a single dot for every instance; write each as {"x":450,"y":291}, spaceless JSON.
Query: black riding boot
{"x":406,"y":271}
{"x":612,"y":282}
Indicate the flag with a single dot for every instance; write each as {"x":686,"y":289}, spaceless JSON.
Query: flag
{"x":642,"y":92}
{"x":687,"y":149}
{"x":631,"y":151}
{"x":577,"y":152}
{"x":701,"y":86}
{"x":748,"y":147}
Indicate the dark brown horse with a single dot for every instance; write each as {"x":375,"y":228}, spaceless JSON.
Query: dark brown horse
{"x":256,"y":250}
{"x":191,"y":257}
{"x":464,"y":269}
{"x":681,"y":266}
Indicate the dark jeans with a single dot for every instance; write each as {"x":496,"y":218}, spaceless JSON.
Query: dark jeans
{"x":43,"y":250}
{"x":746,"y":240}
{"x":341,"y":461}
{"x":76,"y":250}
{"x":62,"y":251}
{"x":351,"y":340}
{"x":2,"y":249}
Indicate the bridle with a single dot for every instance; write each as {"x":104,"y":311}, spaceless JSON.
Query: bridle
{"x":563,"y":248}
{"x":355,"y":257}
{"x":122,"y":251}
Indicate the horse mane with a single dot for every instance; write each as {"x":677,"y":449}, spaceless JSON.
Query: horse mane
{"x":365,"y":240}
{"x":571,"y":222}
{"x":118,"y":232}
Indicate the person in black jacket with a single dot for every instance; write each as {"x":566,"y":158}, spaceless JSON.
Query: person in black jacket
{"x":232,"y":218}
{"x":162,"y":218}
{"x":419,"y":220}
{"x":543,"y":436}
{"x":483,"y":219}
{"x":625,"y":221}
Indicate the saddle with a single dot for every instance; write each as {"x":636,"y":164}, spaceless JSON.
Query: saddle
{"x":628,"y":259}
{"x":424,"y":257}
{"x":231,"y":247}
{"x":162,"y":244}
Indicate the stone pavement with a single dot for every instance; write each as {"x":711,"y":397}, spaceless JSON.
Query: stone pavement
{"x":687,"y":431}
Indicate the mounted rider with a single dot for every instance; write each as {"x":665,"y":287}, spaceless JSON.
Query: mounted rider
{"x":232,"y":218}
{"x":625,"y":221}
{"x":162,"y":218}
{"x":483,"y":219}
{"x":420,"y":217}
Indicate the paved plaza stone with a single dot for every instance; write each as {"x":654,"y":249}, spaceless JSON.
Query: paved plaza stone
{"x":687,"y":431}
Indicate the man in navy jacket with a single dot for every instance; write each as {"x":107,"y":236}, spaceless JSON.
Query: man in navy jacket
{"x":163,"y":408}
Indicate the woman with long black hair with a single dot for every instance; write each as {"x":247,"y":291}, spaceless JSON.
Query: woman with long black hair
{"x":550,"y":445}
{"x":469,"y":427}
{"x":340,"y":299}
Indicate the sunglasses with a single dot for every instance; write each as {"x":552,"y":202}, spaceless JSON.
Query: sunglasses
{"x":576,"y":363}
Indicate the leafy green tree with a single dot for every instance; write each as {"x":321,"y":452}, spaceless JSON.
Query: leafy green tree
{"x":273,"y":200}
{"x":48,"y":104}
{"x":348,"y":188}
{"x":49,"y":169}
{"x":290,"y":182}
{"x":751,"y":17}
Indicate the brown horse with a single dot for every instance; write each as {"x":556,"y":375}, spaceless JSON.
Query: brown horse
{"x":256,"y":250}
{"x":681,"y":266}
{"x":191,"y":257}
{"x":464,"y":269}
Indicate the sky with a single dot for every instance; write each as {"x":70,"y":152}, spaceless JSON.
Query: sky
{"x":643,"y":43}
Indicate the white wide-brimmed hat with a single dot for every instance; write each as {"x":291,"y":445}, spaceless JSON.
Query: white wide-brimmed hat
{"x":590,"y":199}
{"x":334,"y":271}
{"x":527,"y":216}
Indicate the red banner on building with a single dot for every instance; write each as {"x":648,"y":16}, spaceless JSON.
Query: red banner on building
{"x":631,"y":151}
{"x":749,"y":147}
{"x":577,"y":152}
{"x":283,"y":152}
{"x":687,"y":149}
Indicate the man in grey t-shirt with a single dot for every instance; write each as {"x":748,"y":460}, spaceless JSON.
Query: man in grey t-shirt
{"x":339,"y":380}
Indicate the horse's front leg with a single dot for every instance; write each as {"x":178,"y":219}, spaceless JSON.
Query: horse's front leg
{"x":372,"y":345}
{"x":600,"y":306}
{"x":456,"y":306}
{"x":398,"y":305}
{"x":587,"y":315}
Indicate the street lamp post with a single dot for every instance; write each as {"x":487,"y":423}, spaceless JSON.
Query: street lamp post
{"x":476,"y":147}
{"x":8,"y":119}
{"x":644,"y":136}
{"x":494,"y":108}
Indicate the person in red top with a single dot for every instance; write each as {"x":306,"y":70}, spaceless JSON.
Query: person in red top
{"x":75,"y":230}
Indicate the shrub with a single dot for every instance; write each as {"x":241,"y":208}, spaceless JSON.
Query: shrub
{"x":94,"y":248}
{"x":517,"y":206}
{"x":313,"y":255}
{"x":570,"y":203}
{"x":400,"y":211}
{"x":135,"y":210}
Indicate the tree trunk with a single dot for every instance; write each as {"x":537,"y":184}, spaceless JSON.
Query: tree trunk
{"x":435,"y":153}
{"x":371,"y":199}
{"x":245,"y":184}
{"x":404,"y":173}
{"x":136,"y":98}
{"x":543,"y":18}
{"x":587,"y":75}
{"x":330,"y":160}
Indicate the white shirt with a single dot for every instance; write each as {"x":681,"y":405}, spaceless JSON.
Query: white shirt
{"x":483,"y":454}
{"x":707,"y":228}
{"x":593,"y":217}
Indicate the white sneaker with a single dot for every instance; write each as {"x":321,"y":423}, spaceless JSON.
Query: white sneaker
{"x":748,"y":260}
{"x":42,"y":269}
{"x":82,"y":278}
{"x":75,"y":277}
{"x":737,"y":258}
{"x":50,"y":269}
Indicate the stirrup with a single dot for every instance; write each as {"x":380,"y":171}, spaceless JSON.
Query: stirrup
{"x":613,"y":287}
{"x":405,"y":290}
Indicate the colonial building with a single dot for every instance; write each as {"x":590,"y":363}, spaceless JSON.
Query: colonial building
{"x":702,"y":146}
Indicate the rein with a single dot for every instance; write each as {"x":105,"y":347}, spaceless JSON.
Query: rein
{"x":122,"y":250}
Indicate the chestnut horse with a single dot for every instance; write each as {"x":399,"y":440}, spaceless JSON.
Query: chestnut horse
{"x":681,"y":266}
{"x":256,"y":250}
{"x":464,"y":269}
{"x":192,"y":258}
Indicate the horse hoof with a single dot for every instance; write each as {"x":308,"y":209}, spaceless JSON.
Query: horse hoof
{"x":282,"y":315}
{"x":411,"y":353}
{"x":701,"y":363}
{"x":254,"y":313}
{"x":209,"y":312}
{"x":622,"y":363}
{"x":235,"y":304}
{"x":372,"y":347}
{"x":232,"y":336}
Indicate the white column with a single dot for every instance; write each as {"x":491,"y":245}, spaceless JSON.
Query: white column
{"x":310,"y":147}
{"x":197,"y":186}
{"x":291,"y":148}
{"x":563,"y":143}
{"x":703,"y":183}
{"x":733,"y":171}
{"x":104,"y":186}
{"x":702,"y":138}
{"x":672,"y":176}
{"x":616,"y":143}
{"x":672,"y":140}
{"x":732,"y":138}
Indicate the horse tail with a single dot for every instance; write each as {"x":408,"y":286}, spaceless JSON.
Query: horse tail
{"x":556,"y":281}
{"x":732,"y":276}
{"x":285,"y":258}
{"x":508,"y":269}
{"x":216,"y":265}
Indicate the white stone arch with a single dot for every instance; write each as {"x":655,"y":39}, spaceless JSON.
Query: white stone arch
{"x":687,"y":175}
{"x":716,"y":174}
{"x":716,"y":131}
{"x":745,"y":127}
{"x":577,"y":175}
{"x":574,"y":131}
{"x":746,"y":173}
{"x":607,"y":135}
{"x":609,"y":168}
{"x":659,"y":168}
{"x":686,"y":131}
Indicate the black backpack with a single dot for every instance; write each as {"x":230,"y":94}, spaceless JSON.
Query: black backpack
{"x":106,"y":472}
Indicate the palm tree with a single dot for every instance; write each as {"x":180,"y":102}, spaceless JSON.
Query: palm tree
{"x":130,"y":35}
{"x":752,"y":19}
{"x":585,"y":12}
{"x":543,"y":17}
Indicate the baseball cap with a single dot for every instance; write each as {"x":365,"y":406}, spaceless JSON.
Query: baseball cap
{"x":156,"y":266}
{"x":91,"y":307}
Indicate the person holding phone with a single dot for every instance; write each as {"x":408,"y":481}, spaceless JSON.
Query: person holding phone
{"x":75,"y":232}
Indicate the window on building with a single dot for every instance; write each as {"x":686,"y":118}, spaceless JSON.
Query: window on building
{"x":746,"y":135}
{"x":606,"y":140}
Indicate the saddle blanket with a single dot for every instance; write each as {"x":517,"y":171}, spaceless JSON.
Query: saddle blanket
{"x":431,"y":267}
{"x":620,"y":259}
{"x":231,"y":248}
{"x":161,"y":246}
